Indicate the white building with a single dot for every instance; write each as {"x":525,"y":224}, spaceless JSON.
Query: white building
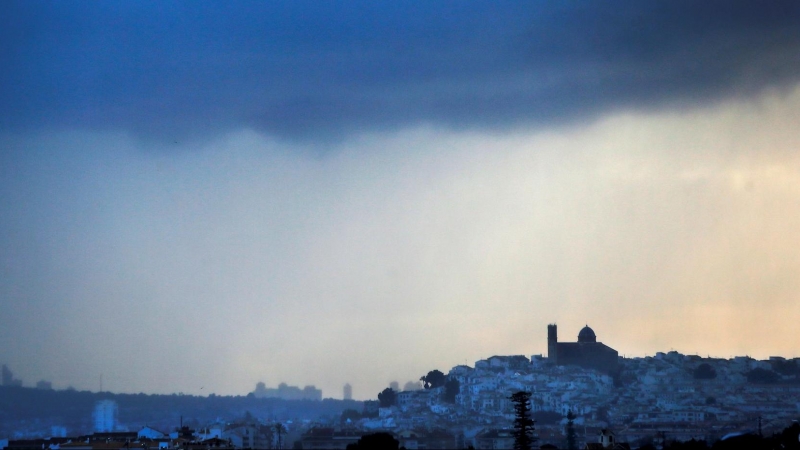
{"x":150,"y":433}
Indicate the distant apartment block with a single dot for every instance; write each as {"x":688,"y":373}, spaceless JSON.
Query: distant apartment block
{"x":105,"y":416}
{"x":286,"y":392}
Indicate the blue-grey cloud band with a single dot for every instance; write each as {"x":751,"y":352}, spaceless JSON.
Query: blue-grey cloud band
{"x":300,"y":69}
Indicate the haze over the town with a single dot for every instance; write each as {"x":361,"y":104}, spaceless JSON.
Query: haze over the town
{"x":198,"y":196}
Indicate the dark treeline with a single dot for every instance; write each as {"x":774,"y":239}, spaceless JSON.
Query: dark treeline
{"x":73,"y":409}
{"x":785,"y":440}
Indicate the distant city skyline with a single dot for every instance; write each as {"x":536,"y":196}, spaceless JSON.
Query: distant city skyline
{"x":309,"y":392}
{"x":195,"y":197}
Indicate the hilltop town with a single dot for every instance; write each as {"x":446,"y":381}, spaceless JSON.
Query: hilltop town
{"x":669,"y":396}
{"x":642,"y":401}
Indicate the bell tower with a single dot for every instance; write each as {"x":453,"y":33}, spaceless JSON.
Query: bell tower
{"x":552,"y":343}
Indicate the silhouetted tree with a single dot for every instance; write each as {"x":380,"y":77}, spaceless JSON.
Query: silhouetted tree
{"x":523,"y":424}
{"x":745,"y":441}
{"x":571,"y":442}
{"x":451,"y":389}
{"x":705,"y":372}
{"x":387,"y":398}
{"x":789,"y":438}
{"x":786,"y":368}
{"x":279,"y":431}
{"x":350,"y":414}
{"x":687,"y":445}
{"x":762,"y":376}
{"x":375,"y":441}
{"x":433,"y":379}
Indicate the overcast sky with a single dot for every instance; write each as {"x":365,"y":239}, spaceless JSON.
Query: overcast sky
{"x":198,"y":196}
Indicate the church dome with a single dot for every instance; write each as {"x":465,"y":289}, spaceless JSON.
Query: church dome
{"x":587,"y":335}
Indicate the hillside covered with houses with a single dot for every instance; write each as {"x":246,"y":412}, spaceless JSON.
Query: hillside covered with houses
{"x":579,"y":391}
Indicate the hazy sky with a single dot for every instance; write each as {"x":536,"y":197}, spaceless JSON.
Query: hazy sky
{"x":207,"y":195}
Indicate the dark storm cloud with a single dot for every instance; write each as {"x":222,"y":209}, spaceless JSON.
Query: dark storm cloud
{"x":166,"y":69}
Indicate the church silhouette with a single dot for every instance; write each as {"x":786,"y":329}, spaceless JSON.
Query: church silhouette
{"x":587,"y":352}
